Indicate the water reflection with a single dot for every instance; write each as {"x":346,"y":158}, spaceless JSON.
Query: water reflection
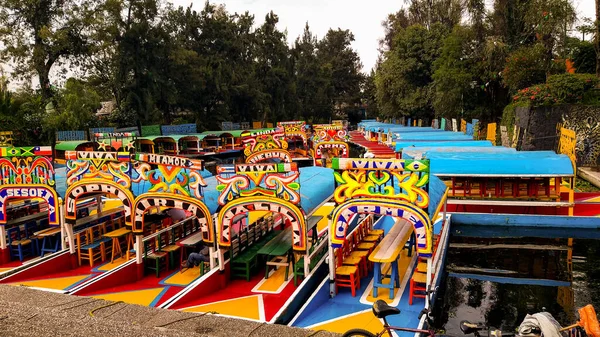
{"x":485,"y":285}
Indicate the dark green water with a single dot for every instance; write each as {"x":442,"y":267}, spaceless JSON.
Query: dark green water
{"x":504,"y":304}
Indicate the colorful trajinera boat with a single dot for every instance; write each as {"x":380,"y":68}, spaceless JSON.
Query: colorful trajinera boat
{"x":329,"y":141}
{"x":30,"y":209}
{"x":269,"y":266}
{"x":381,"y":245}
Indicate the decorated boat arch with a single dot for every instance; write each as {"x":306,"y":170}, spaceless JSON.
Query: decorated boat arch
{"x":27,"y":174}
{"x":95,"y":173}
{"x":267,"y":187}
{"x":329,"y":141}
{"x":396,"y":188}
{"x":265,"y":145}
{"x":294,"y":129}
{"x":175,"y":183}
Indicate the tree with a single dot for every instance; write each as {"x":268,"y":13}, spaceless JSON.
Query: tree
{"x":336,"y":56}
{"x":369,"y":94}
{"x":597,"y":38}
{"x":455,"y":72}
{"x":313,"y":82}
{"x":273,"y":68}
{"x":38,"y":34}
{"x":77,"y":104}
{"x":404,"y":79}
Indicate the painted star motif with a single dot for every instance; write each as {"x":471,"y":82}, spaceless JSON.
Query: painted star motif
{"x":102,"y":146}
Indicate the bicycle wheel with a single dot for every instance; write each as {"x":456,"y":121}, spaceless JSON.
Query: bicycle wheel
{"x":358,"y":333}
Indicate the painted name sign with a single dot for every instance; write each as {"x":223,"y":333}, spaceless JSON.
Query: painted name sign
{"x":259,"y":133}
{"x":95,"y":187}
{"x":97,"y":155}
{"x":419,"y":220}
{"x":333,"y":145}
{"x":170,"y":161}
{"x":201,"y":214}
{"x":30,"y":192}
{"x":269,"y":154}
{"x":379,"y":164}
{"x":266,"y":168}
{"x":115,"y":135}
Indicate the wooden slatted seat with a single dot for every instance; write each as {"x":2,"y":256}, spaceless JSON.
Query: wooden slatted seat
{"x":371,"y":238}
{"x":347,"y":276}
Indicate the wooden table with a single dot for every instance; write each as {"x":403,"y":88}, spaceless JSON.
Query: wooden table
{"x":279,"y":248}
{"x":47,"y":235}
{"x":116,"y":246}
{"x":388,"y":251}
{"x":190,"y":242}
{"x":97,"y":216}
{"x":25,"y":219}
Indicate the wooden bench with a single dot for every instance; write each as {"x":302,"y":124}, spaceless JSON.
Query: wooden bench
{"x":245,"y":262}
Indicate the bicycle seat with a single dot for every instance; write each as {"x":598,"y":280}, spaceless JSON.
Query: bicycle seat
{"x":382,"y":309}
{"x":468,"y":328}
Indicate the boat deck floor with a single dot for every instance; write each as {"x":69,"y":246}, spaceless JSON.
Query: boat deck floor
{"x":259,"y":299}
{"x":66,"y":280}
{"x":344,"y":312}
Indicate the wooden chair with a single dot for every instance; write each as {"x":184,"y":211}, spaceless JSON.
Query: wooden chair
{"x":30,"y":228}
{"x":154,"y":258}
{"x":348,"y":277}
{"x":417,"y":285}
{"x":20,"y":246}
{"x":94,"y":247}
{"x":172,"y":249}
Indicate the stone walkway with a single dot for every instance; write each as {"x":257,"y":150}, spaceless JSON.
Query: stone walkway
{"x":29,"y":312}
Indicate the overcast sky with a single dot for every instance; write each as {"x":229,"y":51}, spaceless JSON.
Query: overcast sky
{"x":362,"y":17}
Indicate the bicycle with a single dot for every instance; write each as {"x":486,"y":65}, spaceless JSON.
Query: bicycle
{"x":382,"y":310}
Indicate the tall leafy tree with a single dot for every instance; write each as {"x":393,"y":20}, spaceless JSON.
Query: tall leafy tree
{"x":312,"y":81}
{"x":273,"y":68}
{"x":39,"y":34}
{"x":336,"y":55}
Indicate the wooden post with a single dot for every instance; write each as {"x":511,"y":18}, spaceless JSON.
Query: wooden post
{"x":331,"y":261}
{"x":213,"y":256}
{"x":139,"y":249}
{"x":2,"y":237}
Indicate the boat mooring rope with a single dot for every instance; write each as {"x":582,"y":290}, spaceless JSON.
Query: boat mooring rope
{"x":104,"y":306}
{"x":185,"y":319}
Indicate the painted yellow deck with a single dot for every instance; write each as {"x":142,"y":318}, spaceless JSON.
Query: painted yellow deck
{"x":4,"y":269}
{"x":59,"y":283}
{"x":246,"y":307}
{"x":364,"y":319}
{"x":275,"y":283}
{"x":183,"y":279}
{"x":141,"y":297}
{"x":110,"y":265}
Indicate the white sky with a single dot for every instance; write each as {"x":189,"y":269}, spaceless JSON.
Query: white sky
{"x":362,"y":17}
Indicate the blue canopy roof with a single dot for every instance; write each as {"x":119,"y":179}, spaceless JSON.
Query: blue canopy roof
{"x":430,"y":136}
{"x":450,"y":151}
{"x":491,"y":153}
{"x":502,"y":164}
{"x":436,"y":193}
{"x":401,"y":144}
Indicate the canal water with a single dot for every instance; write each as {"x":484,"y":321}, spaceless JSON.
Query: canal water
{"x":499,"y":286}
